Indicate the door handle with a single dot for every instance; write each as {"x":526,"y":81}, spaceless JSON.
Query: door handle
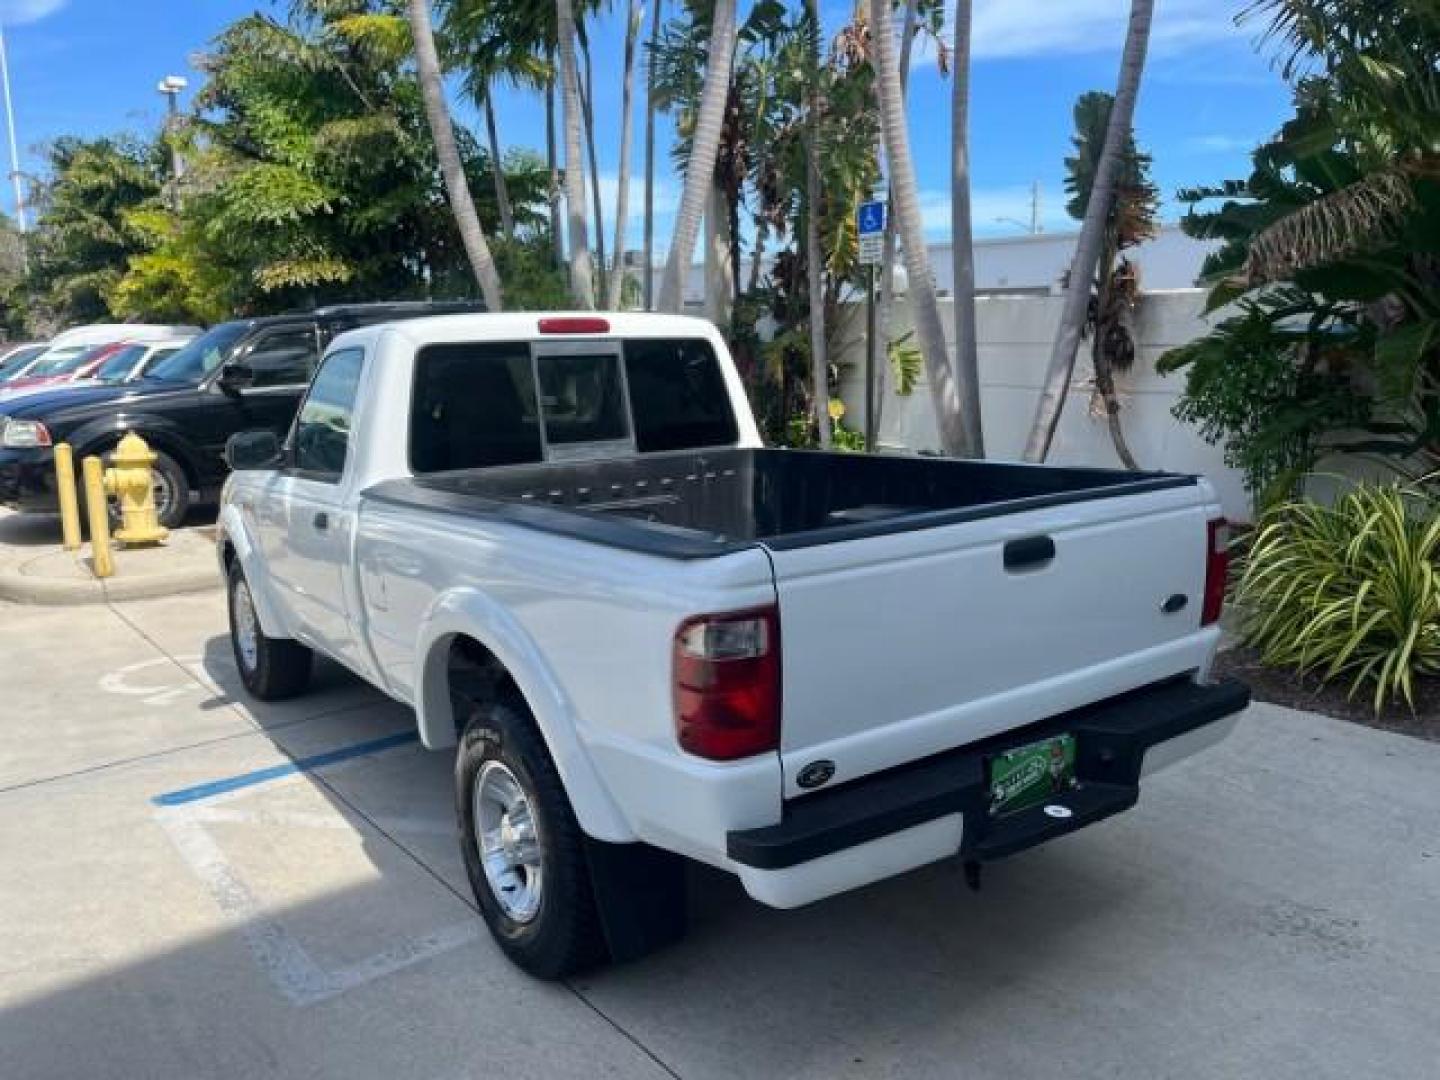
{"x":1030,"y":553}
{"x":321,"y":521}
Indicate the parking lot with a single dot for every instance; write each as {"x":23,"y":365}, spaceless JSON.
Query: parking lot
{"x":196,"y":886}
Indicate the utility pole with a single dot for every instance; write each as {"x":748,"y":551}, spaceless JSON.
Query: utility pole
{"x":170,"y":87}
{"x":15,"y":175}
{"x":1035,"y":227}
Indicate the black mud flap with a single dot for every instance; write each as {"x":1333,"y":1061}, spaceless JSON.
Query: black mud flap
{"x":640,"y":897}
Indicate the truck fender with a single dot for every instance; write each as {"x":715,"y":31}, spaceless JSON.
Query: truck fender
{"x":468,"y":612}
{"x":101,"y":435}
{"x":233,"y":530}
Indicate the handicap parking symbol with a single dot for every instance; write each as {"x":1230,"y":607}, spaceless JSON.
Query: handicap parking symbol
{"x":871,"y":218}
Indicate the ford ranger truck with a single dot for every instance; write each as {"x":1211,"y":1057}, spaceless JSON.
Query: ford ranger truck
{"x":647,"y":638}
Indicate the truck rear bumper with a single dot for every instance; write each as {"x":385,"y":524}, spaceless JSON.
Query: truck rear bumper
{"x":929,"y":810}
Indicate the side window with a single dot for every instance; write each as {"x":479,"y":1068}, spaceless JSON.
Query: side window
{"x":284,"y":357}
{"x":473,"y":406}
{"x":322,"y":428}
{"x":678,"y":396}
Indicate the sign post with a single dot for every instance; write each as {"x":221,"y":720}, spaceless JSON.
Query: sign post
{"x":870,"y":225}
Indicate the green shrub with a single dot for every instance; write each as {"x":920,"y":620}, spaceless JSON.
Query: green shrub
{"x":1347,"y":590}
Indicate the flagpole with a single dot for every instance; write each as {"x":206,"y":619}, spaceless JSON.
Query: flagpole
{"x":14,"y":154}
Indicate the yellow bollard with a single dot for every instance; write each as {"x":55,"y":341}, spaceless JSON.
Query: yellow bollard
{"x":65,"y":491}
{"x":99,"y":512}
{"x":130,"y":480}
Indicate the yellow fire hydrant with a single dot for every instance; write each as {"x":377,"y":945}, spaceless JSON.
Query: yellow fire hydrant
{"x":130,"y":482}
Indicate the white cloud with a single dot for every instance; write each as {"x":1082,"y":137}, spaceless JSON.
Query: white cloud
{"x":16,"y":12}
{"x":1220,"y":144}
{"x":1018,"y":28}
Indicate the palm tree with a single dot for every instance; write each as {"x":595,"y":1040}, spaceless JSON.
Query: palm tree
{"x":581,"y":287}
{"x":1092,"y":235}
{"x":649,"y":244}
{"x":929,"y":330}
{"x":622,"y":196}
{"x":967,"y":351}
{"x":885,"y":304}
{"x":819,"y":362}
{"x":705,"y":148}
{"x":472,"y":236}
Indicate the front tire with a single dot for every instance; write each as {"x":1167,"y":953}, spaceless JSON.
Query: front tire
{"x":171,"y":489}
{"x":523,"y":849}
{"x":271,"y":668}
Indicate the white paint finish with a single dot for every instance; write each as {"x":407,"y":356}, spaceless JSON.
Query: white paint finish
{"x":894,"y":647}
{"x":860,"y":865}
{"x":1015,"y":334}
{"x":952,"y":647}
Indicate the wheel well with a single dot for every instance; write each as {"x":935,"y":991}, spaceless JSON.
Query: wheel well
{"x":227,"y":555}
{"x":474,"y":676}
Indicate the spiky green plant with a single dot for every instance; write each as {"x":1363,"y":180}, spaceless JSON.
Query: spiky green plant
{"x":1349,"y":590}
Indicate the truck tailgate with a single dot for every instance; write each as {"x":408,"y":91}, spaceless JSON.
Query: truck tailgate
{"x":907,"y":644}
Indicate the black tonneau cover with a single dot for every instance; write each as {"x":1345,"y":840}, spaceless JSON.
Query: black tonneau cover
{"x":697,"y":504}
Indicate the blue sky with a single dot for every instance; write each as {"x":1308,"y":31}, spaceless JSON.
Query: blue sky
{"x":90,"y":66}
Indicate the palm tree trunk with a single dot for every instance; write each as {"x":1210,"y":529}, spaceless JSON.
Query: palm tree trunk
{"x":587,"y":91}
{"x":929,"y":330}
{"x":581,"y":286}
{"x":1092,"y":236}
{"x":497,"y":169}
{"x":762,"y":234}
{"x":649,"y":245}
{"x":557,"y":235}
{"x":452,"y":169}
{"x":815,"y":285}
{"x":719,"y":258}
{"x":622,"y":195}
{"x":1105,"y":386}
{"x":962,"y":243}
{"x":884,"y":308}
{"x":705,"y":147}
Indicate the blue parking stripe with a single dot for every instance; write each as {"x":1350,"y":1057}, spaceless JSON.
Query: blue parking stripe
{"x":275,"y":772}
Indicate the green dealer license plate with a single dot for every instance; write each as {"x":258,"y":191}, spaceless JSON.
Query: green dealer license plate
{"x":1028,"y":775}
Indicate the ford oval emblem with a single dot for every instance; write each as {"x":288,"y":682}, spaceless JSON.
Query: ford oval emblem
{"x":815,"y":774}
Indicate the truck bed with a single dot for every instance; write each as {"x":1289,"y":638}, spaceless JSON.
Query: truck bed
{"x":700,"y":504}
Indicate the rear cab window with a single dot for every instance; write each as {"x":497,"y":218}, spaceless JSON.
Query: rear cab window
{"x":487,"y":404}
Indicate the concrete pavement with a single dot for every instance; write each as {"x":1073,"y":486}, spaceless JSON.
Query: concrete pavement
{"x":1267,"y":910}
{"x":35,"y":569}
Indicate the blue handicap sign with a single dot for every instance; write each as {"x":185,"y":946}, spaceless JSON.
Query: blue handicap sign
{"x":871,"y":218}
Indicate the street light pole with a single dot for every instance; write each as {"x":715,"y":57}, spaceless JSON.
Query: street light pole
{"x":15,"y":176}
{"x":170,"y":87}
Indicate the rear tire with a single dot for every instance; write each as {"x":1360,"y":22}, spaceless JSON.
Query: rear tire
{"x":531,"y":880}
{"x":271,"y":668}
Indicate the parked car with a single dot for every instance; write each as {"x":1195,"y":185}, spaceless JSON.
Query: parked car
{"x":249,"y":373}
{"x":135,"y":358}
{"x":69,"y":343}
{"x":61,"y":366}
{"x":559,"y":539}
{"x":17,"y":359}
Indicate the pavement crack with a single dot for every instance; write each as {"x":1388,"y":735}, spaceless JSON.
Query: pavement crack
{"x":621,"y":1030}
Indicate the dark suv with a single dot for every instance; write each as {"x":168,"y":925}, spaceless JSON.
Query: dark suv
{"x":237,"y":376}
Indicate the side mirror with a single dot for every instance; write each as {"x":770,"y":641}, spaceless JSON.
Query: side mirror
{"x":234,"y":378}
{"x":253,"y":450}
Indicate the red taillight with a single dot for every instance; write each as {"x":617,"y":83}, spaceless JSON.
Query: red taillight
{"x":727,"y":684}
{"x":574,"y":325}
{"x":1217,"y":569}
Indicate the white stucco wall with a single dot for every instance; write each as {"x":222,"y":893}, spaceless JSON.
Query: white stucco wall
{"x":1015,"y":336}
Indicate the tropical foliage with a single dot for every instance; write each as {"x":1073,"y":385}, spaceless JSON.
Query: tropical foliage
{"x":1349,"y":591}
{"x":1133,"y":219}
{"x":1330,"y":253}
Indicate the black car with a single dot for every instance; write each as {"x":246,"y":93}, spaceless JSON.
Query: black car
{"x":237,"y":376}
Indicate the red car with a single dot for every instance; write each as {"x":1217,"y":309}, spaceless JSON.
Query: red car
{"x":66,"y":368}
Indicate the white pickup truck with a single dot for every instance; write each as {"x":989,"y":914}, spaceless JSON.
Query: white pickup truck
{"x":560,"y":540}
